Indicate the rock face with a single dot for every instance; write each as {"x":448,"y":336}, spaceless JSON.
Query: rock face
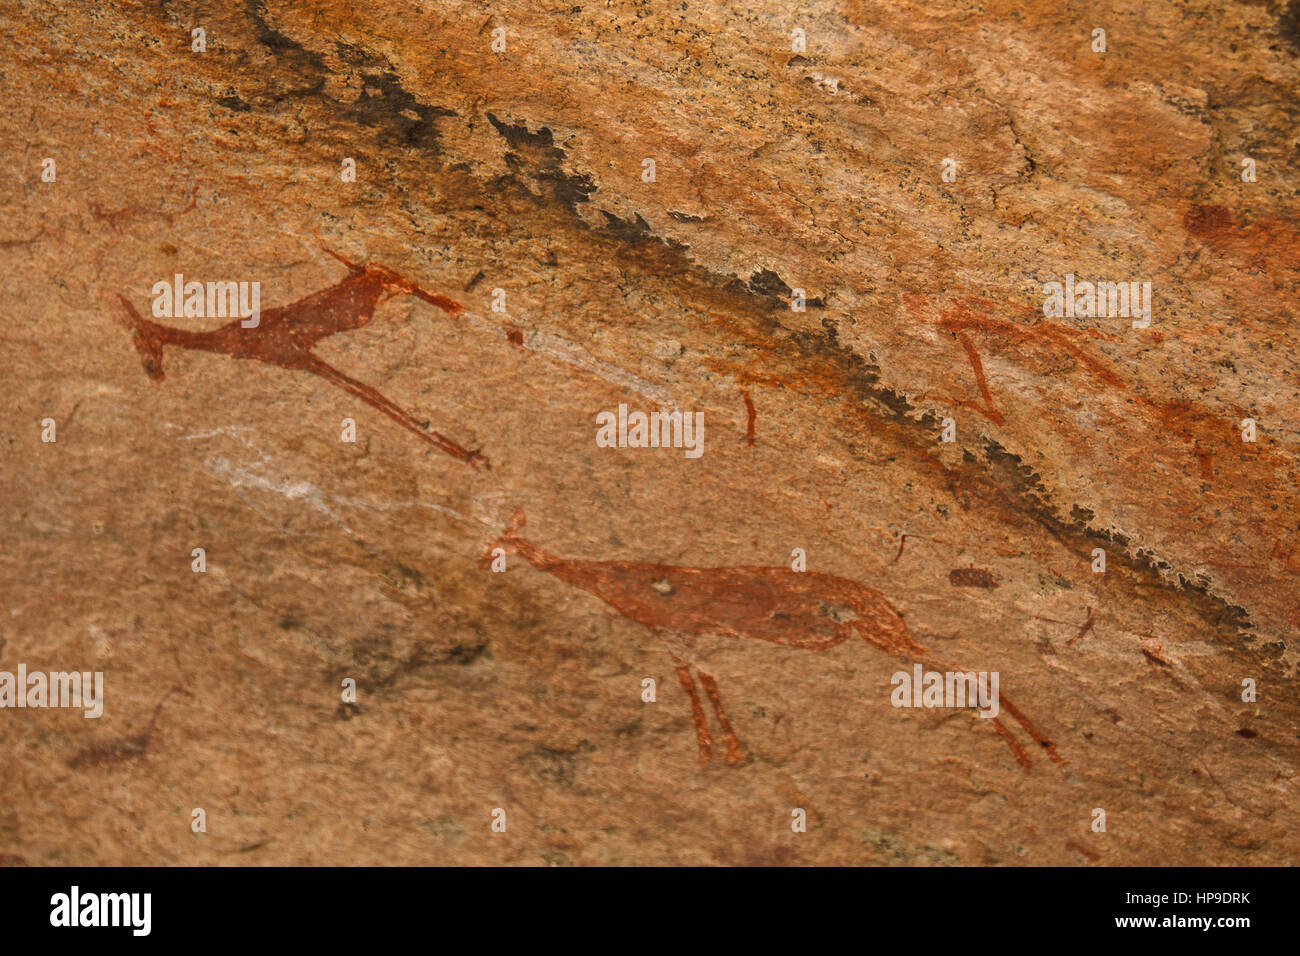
{"x":478,"y":231}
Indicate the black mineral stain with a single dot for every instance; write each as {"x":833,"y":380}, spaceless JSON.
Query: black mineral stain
{"x":400,"y":117}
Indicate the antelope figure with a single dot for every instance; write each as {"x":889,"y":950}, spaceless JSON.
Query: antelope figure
{"x":796,"y":609}
{"x":287,"y":334}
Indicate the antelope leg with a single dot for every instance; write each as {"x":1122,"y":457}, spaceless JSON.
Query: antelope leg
{"x":735,"y":750}
{"x":702,"y":736}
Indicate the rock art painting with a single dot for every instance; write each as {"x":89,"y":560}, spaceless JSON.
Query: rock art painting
{"x":903,"y":398}
{"x":780,"y":605}
{"x":284,"y":336}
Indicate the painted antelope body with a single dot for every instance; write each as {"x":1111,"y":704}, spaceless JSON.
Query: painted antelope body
{"x":287,"y":334}
{"x":797,"y":609}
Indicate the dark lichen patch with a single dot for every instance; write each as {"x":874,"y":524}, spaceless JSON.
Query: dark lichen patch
{"x":384,"y":104}
{"x":534,"y":155}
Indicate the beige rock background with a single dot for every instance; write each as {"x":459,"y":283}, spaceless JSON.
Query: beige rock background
{"x":522,"y":170}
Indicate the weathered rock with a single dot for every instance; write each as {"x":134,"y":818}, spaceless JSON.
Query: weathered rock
{"x":774,"y":171}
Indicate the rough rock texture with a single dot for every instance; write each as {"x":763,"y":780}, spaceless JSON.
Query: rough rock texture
{"x":775,"y":170}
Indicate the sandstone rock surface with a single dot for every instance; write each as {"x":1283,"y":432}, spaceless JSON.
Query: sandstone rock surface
{"x":523,"y":170}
